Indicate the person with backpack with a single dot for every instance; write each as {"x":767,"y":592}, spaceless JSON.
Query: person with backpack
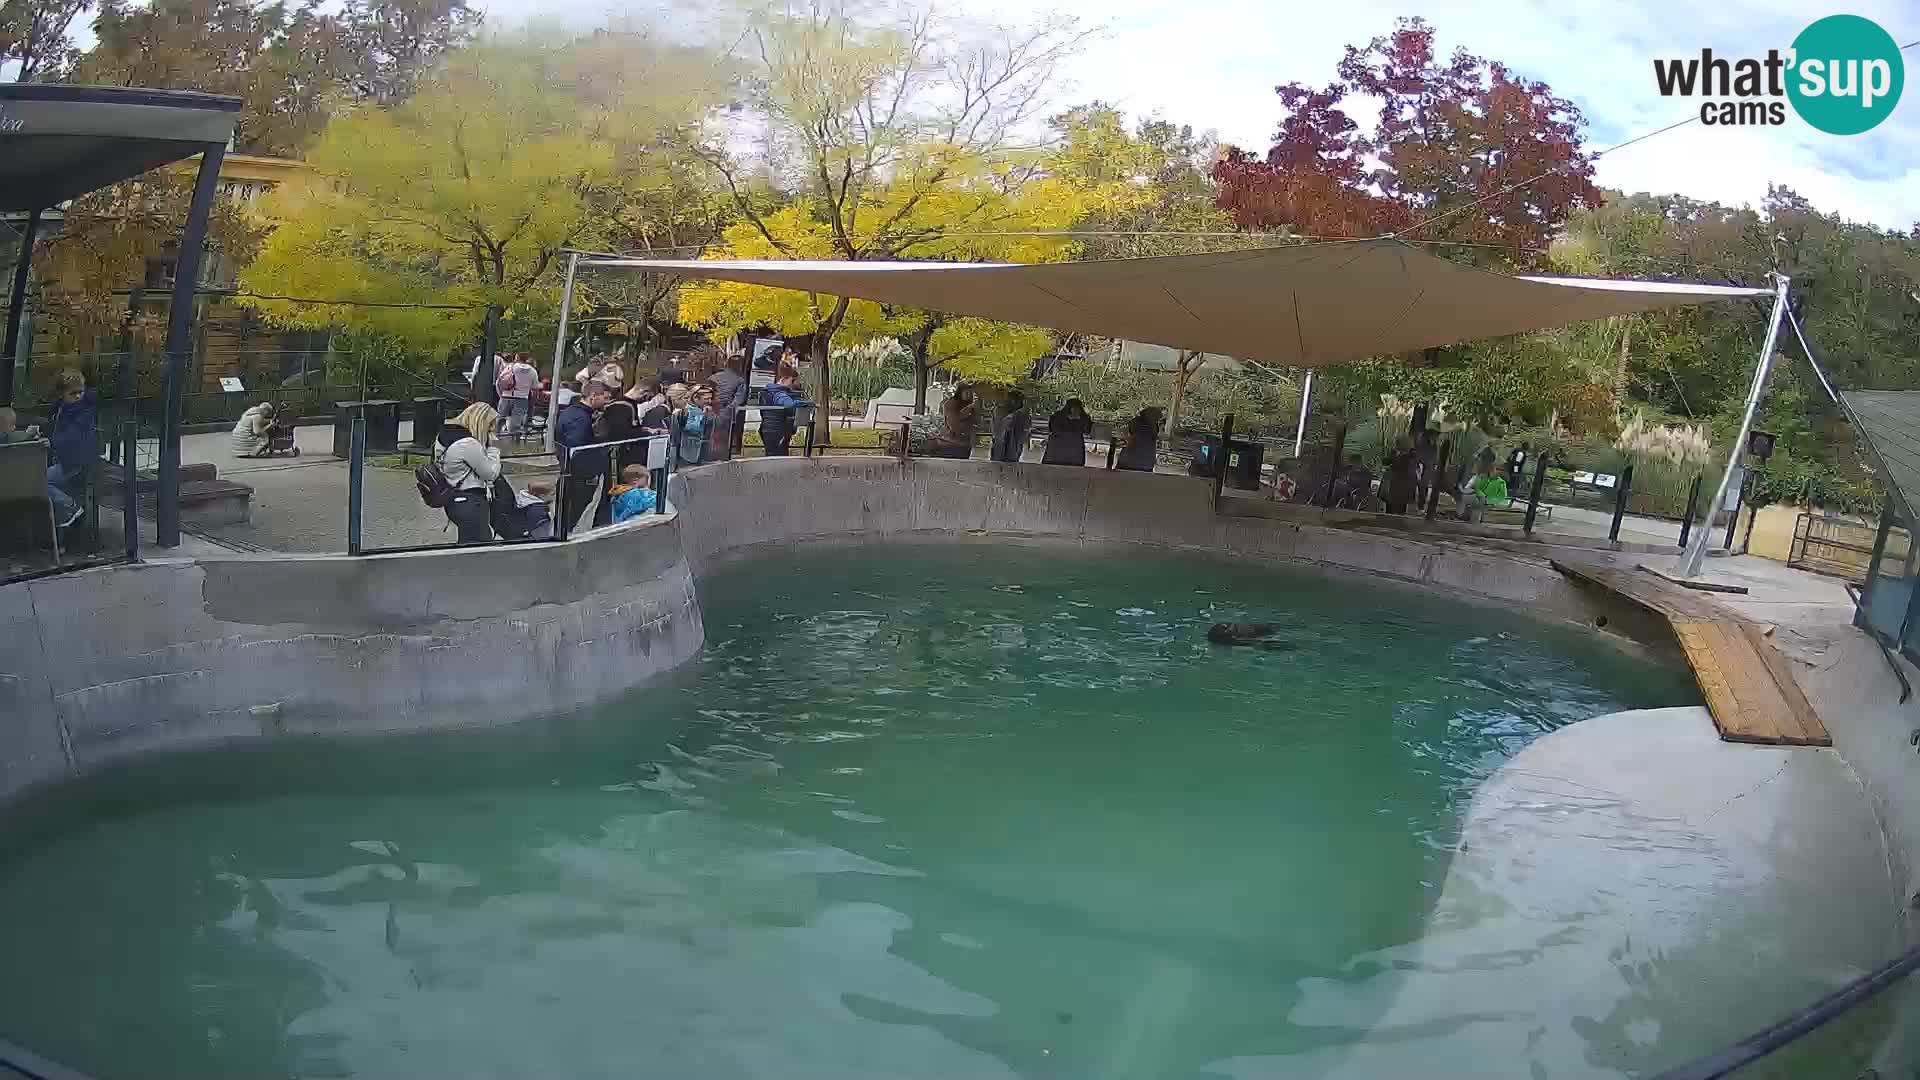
{"x":777,"y":403}
{"x":469,"y":464}
{"x":585,"y":469}
{"x":515,"y":384}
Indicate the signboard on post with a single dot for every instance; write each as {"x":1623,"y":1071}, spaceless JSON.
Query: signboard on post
{"x":1735,"y":485}
{"x":232,"y":385}
{"x":1760,"y":444}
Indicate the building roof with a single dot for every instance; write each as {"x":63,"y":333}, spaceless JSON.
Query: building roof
{"x":58,"y":142}
{"x":1302,"y":306}
{"x":1890,"y":422}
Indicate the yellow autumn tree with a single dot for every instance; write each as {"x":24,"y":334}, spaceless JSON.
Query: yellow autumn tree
{"x":463,"y":196}
{"x":888,"y":136}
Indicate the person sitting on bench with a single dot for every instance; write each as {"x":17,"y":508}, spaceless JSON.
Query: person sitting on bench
{"x":1486,"y":488}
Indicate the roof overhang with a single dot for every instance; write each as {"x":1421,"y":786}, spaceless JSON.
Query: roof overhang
{"x":1306,"y":305}
{"x":58,"y":142}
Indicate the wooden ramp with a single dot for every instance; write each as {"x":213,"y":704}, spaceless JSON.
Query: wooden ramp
{"x":1749,"y":688}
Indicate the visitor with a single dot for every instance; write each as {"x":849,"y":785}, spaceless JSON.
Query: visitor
{"x":633,"y":496}
{"x":10,"y":428}
{"x":253,"y":433}
{"x":471,"y":463}
{"x":516,"y":394}
{"x":534,"y":519}
{"x":478,"y":388}
{"x":619,"y":420}
{"x":1485,"y":489}
{"x":729,"y":398}
{"x":1403,"y":476}
{"x":957,"y":418}
{"x":1067,"y":432}
{"x":1357,"y":484}
{"x":777,"y":403}
{"x":1517,"y":466}
{"x":585,"y":469}
{"x":651,"y":411}
{"x":719,"y":431}
{"x":612,"y":376}
{"x":1141,"y":442}
{"x":690,"y":435}
{"x":73,"y":441}
{"x":1010,"y":427}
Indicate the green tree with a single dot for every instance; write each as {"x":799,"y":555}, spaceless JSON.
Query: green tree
{"x":895,"y":137}
{"x":35,"y":37}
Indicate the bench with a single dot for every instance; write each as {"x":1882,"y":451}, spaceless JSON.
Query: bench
{"x":1518,"y":509}
{"x":205,"y":499}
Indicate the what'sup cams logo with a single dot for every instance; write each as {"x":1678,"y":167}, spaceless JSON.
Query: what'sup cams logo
{"x":1843,"y":75}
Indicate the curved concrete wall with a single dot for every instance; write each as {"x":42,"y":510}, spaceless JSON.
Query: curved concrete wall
{"x":105,"y":663}
{"x":101,"y":664}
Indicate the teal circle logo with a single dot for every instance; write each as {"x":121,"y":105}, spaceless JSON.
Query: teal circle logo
{"x":1847,"y":74}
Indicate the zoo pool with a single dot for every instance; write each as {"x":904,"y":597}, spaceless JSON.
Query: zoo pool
{"x":917,"y":811}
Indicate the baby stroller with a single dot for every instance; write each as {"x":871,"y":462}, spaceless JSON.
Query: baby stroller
{"x":279,"y":441}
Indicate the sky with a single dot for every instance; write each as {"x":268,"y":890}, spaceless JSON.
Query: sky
{"x":1214,"y":63}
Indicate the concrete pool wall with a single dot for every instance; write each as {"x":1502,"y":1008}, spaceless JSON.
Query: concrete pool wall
{"x":105,"y":665}
{"x":102,"y":664}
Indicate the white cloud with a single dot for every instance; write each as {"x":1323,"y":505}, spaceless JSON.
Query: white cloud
{"x":1214,"y":64}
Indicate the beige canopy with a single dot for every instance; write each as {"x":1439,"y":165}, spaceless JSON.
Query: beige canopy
{"x":1300,"y":306}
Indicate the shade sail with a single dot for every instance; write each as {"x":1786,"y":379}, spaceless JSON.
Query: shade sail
{"x":58,"y":141}
{"x":1306,"y":306}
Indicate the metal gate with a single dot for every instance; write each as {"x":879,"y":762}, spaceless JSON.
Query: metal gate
{"x":1840,"y":546}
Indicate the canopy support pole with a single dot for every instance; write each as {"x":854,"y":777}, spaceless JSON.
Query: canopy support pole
{"x":17,"y":305}
{"x":560,"y":348}
{"x":1300,"y":428}
{"x":1697,"y":551}
{"x":186,"y":276}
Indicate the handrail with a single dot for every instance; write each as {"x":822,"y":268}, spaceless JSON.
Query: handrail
{"x":1765,"y":1041}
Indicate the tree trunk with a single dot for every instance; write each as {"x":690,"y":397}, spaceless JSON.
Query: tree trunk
{"x":1181,"y":373}
{"x":922,"y":371}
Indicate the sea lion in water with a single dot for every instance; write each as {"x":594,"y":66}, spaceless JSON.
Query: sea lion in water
{"x":1256,"y":634}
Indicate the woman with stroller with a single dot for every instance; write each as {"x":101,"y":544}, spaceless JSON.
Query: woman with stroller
{"x":471,"y":463}
{"x":255,"y":431}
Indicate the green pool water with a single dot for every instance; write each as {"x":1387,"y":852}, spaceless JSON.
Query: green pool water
{"x":916,"y":812}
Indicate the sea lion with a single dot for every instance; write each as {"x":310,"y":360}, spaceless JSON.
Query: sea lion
{"x":1246,"y":634}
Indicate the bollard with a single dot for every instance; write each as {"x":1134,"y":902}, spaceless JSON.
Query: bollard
{"x":1439,"y":470}
{"x":738,"y":445}
{"x":1533,"y":497}
{"x":563,"y":525}
{"x":1620,"y":502}
{"x":356,"y":483}
{"x":1686,"y":523}
{"x":1333,"y":468}
{"x":1226,"y":454}
{"x":1113,"y":445}
{"x":1733,"y":518}
{"x":806,"y":448}
{"x":130,"y":489}
{"x":906,"y":440}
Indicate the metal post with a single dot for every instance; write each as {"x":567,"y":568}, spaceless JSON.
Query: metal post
{"x":1226,"y":455}
{"x":17,"y":306}
{"x":1693,"y":500}
{"x":1746,"y":541}
{"x":129,"y":490}
{"x":806,"y":449}
{"x":186,"y":275}
{"x":906,"y":438}
{"x":1439,"y":470}
{"x":1333,"y":470}
{"x":564,"y":520}
{"x":356,"y":480}
{"x":1697,"y":553}
{"x":1533,"y":497}
{"x":483,"y":372}
{"x":1113,"y":445}
{"x":1873,"y":563}
{"x":129,"y":389}
{"x":1300,"y":428}
{"x":737,"y":447}
{"x":560,"y":348}
{"x":1620,"y":491}
{"x":1733,"y":518}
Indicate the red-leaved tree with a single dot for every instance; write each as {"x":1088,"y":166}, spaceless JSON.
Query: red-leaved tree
{"x":1451,"y":140}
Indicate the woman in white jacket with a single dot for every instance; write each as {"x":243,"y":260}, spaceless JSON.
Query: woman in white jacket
{"x":471,"y":464}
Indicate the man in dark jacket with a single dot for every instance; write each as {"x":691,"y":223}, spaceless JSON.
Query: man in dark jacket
{"x":586,"y":469}
{"x":776,"y":402}
{"x":73,"y":434}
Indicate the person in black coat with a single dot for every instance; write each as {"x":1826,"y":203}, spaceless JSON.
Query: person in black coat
{"x":586,"y":470}
{"x":1067,"y":433}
